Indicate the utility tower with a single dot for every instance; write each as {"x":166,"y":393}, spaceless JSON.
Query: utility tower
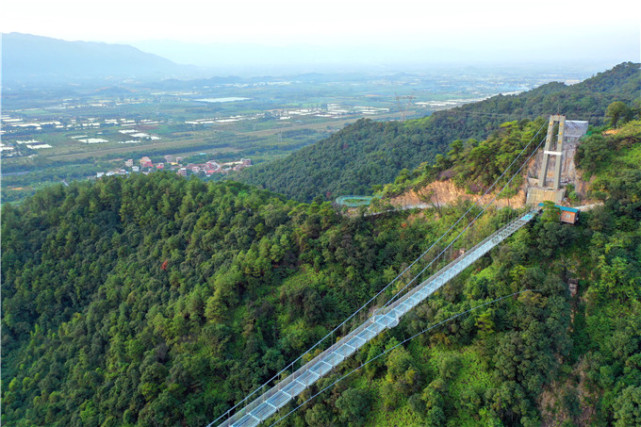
{"x":403,"y":108}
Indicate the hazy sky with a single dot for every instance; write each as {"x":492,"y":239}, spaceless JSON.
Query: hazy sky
{"x":467,"y":24}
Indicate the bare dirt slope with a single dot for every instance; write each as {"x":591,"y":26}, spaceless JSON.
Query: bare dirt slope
{"x":440,"y":193}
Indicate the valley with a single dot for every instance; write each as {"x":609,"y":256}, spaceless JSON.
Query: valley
{"x":316,"y":249}
{"x":55,"y":133}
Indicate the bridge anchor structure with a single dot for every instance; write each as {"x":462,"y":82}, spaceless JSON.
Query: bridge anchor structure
{"x":267,"y":404}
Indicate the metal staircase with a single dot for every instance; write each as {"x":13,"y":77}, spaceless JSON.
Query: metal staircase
{"x":263,"y":407}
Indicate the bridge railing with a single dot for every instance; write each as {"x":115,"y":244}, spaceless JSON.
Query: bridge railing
{"x":518,"y":223}
{"x":281,"y":393}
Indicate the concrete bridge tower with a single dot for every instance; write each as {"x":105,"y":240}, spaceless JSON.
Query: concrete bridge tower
{"x":558,"y":157}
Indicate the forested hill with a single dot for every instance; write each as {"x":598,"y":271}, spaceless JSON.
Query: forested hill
{"x":160,"y":301}
{"x":368,"y":153}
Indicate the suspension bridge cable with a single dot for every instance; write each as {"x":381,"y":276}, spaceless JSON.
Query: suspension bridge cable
{"x":523,"y":115}
{"x":329,"y":334}
{"x":475,"y":218}
{"x":467,"y":227}
{"x":362,"y":365}
{"x":464,"y":214}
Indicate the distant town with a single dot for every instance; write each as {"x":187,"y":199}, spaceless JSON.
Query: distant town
{"x":16,"y":127}
{"x":20,"y":133}
{"x":215,"y":125}
{"x":174,"y":163}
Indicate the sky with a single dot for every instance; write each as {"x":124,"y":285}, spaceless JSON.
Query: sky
{"x":490,"y":28}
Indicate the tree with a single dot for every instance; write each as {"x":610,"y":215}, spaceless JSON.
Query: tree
{"x":618,"y":111}
{"x":319,"y":415}
{"x":485,"y":323}
{"x":434,"y":396}
{"x":353,"y":405}
{"x":627,"y":407}
{"x":551,"y":213}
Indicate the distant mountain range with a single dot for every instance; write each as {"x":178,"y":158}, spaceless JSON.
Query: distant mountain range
{"x":35,"y":59}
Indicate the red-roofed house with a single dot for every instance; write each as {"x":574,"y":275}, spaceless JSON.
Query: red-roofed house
{"x":145,"y":162}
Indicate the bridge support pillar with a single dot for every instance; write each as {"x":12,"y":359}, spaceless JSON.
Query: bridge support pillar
{"x":553,"y":147}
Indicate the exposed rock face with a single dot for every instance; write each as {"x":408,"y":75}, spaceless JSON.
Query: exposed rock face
{"x":440,"y":193}
{"x":444,"y":192}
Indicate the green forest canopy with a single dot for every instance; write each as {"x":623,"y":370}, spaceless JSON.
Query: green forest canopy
{"x":369,"y":153}
{"x":155,"y":300}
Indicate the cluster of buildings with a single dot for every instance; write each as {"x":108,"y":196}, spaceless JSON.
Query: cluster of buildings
{"x":18,"y":132}
{"x":137,"y":136}
{"x":145,"y":165}
{"x":9,"y":149}
{"x":332,"y":111}
{"x":226,"y":119}
{"x":209,"y":168}
{"x":17,"y":125}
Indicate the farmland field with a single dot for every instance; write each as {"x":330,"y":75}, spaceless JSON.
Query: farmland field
{"x":95,"y":129}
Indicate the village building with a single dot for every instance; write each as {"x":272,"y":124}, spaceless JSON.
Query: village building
{"x":569,"y":215}
{"x":212,"y":165}
{"x":566,"y":214}
{"x":145,"y":162}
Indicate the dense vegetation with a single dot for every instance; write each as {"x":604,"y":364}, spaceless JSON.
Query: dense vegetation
{"x":474,"y":165}
{"x":154,"y":300}
{"x":369,"y":153}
